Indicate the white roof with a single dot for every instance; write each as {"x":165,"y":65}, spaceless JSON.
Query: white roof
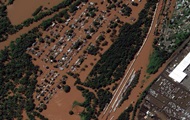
{"x":177,"y":74}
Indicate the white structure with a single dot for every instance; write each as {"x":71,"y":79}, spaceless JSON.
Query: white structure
{"x":177,"y":74}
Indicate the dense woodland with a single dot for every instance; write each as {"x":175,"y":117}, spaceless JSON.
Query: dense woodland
{"x":18,"y":79}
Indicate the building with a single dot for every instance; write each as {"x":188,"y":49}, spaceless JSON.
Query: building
{"x":177,"y":74}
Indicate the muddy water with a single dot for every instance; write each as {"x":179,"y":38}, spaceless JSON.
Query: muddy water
{"x":21,"y":10}
{"x":61,"y":104}
{"x":23,"y":31}
{"x":53,"y":105}
{"x":59,"y":107}
{"x":141,"y":62}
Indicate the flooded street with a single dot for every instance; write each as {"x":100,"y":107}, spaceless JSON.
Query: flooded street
{"x":21,"y":10}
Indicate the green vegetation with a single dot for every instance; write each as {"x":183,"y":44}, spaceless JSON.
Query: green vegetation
{"x":18,"y":79}
{"x":178,"y":28}
{"x":157,"y":58}
{"x":104,"y":97}
{"x":67,"y":88}
{"x":126,"y":10}
{"x":71,"y":112}
{"x":160,"y":55}
{"x":64,"y":13}
{"x":10,"y":2}
{"x":45,"y":24}
{"x":134,"y":4}
{"x":8,"y":29}
{"x":92,"y":102}
{"x":37,"y":11}
{"x":73,"y":7}
{"x":41,"y":15}
{"x":18,"y":74}
{"x":92,"y":49}
{"x":125,"y":115}
{"x":6,"y":26}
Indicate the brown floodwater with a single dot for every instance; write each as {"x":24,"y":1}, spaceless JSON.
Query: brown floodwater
{"x":61,"y":103}
{"x":22,"y":31}
{"x":59,"y":106}
{"x":141,"y":62}
{"x":21,"y":10}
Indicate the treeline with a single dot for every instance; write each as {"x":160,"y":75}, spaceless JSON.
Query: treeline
{"x":46,"y":23}
{"x":37,"y":11}
{"x":18,"y":79}
{"x":114,"y":61}
{"x":70,"y":5}
{"x":6,"y":27}
{"x":41,"y":15}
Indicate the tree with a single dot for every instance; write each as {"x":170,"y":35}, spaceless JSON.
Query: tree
{"x":135,"y":4}
{"x":45,"y":24}
{"x":52,"y":40}
{"x":67,"y":88}
{"x":101,"y":38}
{"x":88,"y":36}
{"x":37,"y":11}
{"x":96,"y":23}
{"x":41,"y":40}
{"x":92,"y":30}
{"x":71,"y":112}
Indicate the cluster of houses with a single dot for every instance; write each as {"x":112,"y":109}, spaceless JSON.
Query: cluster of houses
{"x":64,"y":47}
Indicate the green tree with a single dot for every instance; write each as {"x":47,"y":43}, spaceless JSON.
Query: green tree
{"x":67,"y":88}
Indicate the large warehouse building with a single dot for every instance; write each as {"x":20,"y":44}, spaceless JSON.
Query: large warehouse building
{"x":177,"y":74}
